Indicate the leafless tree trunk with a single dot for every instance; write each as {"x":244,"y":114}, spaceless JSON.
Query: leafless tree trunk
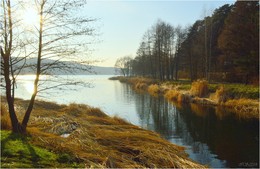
{"x":38,"y":71}
{"x":206,"y":47}
{"x":5,"y":58}
{"x":57,"y":33}
{"x":210,"y":49}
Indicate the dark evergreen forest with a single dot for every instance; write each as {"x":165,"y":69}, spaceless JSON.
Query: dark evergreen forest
{"x":223,"y":47}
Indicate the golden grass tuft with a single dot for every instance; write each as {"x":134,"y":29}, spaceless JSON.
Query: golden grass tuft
{"x":154,"y":89}
{"x":221,"y":95}
{"x":199,"y":88}
{"x":177,"y":96}
{"x":140,"y":86}
{"x":172,"y":95}
{"x":100,"y":141}
{"x":244,"y":108}
{"x":139,"y":83}
{"x":120,"y":121}
{"x":5,"y":119}
{"x":82,"y":110}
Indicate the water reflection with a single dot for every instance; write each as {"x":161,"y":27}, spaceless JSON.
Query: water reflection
{"x":211,"y":136}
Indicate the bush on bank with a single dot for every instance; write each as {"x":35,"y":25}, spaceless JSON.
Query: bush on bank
{"x":238,"y":98}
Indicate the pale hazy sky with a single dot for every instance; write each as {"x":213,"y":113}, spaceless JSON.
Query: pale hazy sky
{"x":122,"y":23}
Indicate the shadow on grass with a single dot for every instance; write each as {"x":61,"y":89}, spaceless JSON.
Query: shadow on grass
{"x":20,"y":151}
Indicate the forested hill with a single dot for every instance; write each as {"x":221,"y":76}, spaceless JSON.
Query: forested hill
{"x":221,"y":47}
{"x":55,"y":67}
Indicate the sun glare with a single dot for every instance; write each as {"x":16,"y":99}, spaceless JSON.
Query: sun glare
{"x":30,"y":17}
{"x":29,"y":87}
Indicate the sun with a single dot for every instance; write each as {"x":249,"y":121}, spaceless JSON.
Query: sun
{"x":30,"y":17}
{"x":29,"y":87}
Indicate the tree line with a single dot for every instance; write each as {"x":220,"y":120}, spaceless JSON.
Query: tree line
{"x":223,"y":47}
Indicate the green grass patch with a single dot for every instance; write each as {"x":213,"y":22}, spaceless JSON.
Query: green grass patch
{"x":182,"y":84}
{"x":233,"y":89}
{"x":238,"y":90}
{"x":18,"y":152}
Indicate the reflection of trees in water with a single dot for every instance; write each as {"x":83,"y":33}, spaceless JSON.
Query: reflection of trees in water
{"x":127,"y":92}
{"x":200,"y":128}
{"x":230,"y":139}
{"x":155,"y":114}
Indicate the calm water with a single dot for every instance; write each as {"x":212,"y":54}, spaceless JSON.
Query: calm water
{"x":211,"y":136}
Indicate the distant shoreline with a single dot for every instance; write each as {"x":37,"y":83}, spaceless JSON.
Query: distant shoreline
{"x":181,"y":92}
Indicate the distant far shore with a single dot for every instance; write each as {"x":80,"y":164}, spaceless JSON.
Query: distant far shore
{"x":238,"y":98}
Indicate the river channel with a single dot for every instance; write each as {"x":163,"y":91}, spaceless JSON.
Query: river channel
{"x":211,"y":135}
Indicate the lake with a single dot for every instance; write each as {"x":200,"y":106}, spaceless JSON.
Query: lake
{"x":211,"y":135}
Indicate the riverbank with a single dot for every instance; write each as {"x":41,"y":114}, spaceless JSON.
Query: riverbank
{"x":82,"y":136}
{"x":236,"y":98}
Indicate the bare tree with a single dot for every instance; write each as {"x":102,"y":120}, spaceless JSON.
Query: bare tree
{"x":59,"y":36}
{"x":123,"y":64}
{"x":180,"y":38}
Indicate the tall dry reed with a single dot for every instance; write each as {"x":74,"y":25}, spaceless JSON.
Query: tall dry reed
{"x":5,"y":119}
{"x":154,"y":89}
{"x":199,"y":88}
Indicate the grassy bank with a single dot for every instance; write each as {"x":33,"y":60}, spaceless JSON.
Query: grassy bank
{"x":237,"y":98}
{"x":79,"y":135}
{"x":17,"y":151}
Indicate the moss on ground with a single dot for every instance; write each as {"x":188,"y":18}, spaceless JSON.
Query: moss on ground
{"x":18,"y":152}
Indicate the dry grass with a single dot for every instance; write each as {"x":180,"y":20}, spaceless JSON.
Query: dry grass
{"x":199,"y":93}
{"x":244,"y":108}
{"x":5,"y":119}
{"x":177,"y":96}
{"x":154,"y":89}
{"x":135,"y":80}
{"x":199,"y":88}
{"x":172,"y":95}
{"x":140,"y":86}
{"x":101,"y":141}
{"x":221,"y":95}
{"x":139,"y":83}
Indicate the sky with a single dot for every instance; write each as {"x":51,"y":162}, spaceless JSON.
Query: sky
{"x":121,"y":24}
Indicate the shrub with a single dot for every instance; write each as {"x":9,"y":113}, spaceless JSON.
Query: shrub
{"x":154,"y":89}
{"x":221,"y":95}
{"x":199,"y":88}
{"x":172,"y":95}
{"x":245,"y":108}
{"x":141,"y":85}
